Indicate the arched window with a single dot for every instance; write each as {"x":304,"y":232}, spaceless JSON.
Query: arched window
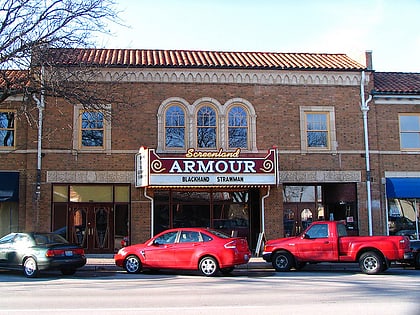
{"x":206,"y":128}
{"x":237,"y":128}
{"x":174,"y":127}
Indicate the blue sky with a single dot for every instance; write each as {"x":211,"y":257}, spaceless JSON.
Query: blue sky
{"x":389,"y":28}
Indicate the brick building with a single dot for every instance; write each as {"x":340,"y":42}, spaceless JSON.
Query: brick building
{"x":243,"y":142}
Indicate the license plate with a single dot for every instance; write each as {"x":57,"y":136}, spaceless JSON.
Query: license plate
{"x":69,"y":253}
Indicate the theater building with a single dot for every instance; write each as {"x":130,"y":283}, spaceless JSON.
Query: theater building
{"x":250,"y":143}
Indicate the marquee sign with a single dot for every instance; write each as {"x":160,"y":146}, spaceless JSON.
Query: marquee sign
{"x":205,"y":168}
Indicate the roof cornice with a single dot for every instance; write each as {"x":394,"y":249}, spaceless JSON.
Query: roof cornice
{"x":227,"y":76}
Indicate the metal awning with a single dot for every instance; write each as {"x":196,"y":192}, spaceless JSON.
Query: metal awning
{"x":403,"y":187}
{"x":9,"y":186}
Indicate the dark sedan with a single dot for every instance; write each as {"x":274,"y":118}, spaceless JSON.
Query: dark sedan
{"x":33,"y":252}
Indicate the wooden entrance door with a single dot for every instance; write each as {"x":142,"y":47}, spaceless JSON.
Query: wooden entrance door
{"x":92,"y":226}
{"x":297,"y":217}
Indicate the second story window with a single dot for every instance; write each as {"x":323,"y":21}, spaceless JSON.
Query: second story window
{"x":317,"y":130}
{"x":92,"y":129}
{"x":7,"y":129}
{"x":175,"y":127}
{"x":410,"y":131}
{"x":206,"y":128}
{"x":238,"y":128}
{"x":206,"y":125}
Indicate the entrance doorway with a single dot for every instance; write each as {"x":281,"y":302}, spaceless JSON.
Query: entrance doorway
{"x":297,"y":217}
{"x":235,"y":212}
{"x":92,"y":227}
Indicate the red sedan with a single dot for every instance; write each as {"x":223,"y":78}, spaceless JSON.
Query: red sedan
{"x":200,"y":249}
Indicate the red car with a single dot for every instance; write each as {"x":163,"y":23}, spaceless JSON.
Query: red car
{"x":200,"y":249}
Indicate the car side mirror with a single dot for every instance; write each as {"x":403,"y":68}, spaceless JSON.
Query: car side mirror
{"x":305,"y":236}
{"x":156,"y":243}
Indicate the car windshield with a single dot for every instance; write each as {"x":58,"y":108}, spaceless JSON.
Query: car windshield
{"x":48,"y":238}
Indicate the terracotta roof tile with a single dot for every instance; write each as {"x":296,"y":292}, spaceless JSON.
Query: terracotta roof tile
{"x":203,"y":59}
{"x":14,"y":79}
{"x":397,"y":82}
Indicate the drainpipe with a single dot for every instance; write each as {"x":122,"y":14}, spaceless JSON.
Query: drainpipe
{"x":263,"y":210}
{"x":365,"y":108}
{"x":40,"y":103}
{"x":151,"y":210}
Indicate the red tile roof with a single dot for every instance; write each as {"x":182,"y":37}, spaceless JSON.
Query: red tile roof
{"x":202,"y":59}
{"x":14,"y":79}
{"x":397,"y":82}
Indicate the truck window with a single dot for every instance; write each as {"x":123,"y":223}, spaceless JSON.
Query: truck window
{"x":318,"y":231}
{"x":342,"y":231}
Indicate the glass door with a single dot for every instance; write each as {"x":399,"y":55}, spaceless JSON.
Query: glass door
{"x":91,"y":226}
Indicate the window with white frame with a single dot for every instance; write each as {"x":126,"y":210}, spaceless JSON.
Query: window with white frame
{"x":7,"y":128}
{"x":317,"y":128}
{"x":206,"y":127}
{"x":238,"y":127}
{"x":409,"y":131}
{"x":93,"y":129}
{"x":175,"y":127}
{"x":206,"y":124}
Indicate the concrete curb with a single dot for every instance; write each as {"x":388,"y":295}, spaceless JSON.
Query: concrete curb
{"x":106,"y":263}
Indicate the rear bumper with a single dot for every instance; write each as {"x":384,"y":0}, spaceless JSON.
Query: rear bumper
{"x":62,"y":263}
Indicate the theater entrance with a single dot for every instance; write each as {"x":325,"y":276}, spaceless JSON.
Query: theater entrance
{"x":236,"y":212}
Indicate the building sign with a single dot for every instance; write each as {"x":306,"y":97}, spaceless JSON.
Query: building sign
{"x":206,"y":168}
{"x":142,"y":165}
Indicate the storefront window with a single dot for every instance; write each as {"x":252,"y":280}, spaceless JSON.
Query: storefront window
{"x":403,"y":216}
{"x":225,"y":211}
{"x":91,"y":193}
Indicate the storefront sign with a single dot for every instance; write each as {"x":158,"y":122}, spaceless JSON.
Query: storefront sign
{"x":206,"y":168}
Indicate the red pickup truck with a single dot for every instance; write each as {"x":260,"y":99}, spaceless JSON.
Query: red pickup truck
{"x":327,"y":241}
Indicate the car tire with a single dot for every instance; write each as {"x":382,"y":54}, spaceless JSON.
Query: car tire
{"x":371,"y":263}
{"x":417,"y":261}
{"x":282,"y":261}
{"x":68,"y":271}
{"x":30,"y":268}
{"x":132,"y":264}
{"x":208,"y":266}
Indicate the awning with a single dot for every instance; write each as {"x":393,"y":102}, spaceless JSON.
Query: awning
{"x":9,"y":186}
{"x":403,"y":187}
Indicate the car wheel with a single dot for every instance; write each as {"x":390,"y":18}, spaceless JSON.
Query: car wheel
{"x":417,"y":261}
{"x":30,"y":268}
{"x":226,"y":271}
{"x":371,"y":263}
{"x":132,"y":264}
{"x":282,"y":261}
{"x":68,"y":271}
{"x":208,"y":266}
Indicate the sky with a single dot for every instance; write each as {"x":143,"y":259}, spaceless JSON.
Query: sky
{"x":388,"y":28}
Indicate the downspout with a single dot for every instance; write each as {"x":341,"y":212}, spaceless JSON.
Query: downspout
{"x":365,"y":108}
{"x":151,"y":211}
{"x":41,"y":106}
{"x":263,"y":210}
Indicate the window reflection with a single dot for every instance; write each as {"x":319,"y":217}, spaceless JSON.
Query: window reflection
{"x":206,"y":127}
{"x":92,"y":129}
{"x":238,"y":128}
{"x":175,"y":127}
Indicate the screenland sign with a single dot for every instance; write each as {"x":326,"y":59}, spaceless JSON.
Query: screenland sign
{"x":205,"y":168}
